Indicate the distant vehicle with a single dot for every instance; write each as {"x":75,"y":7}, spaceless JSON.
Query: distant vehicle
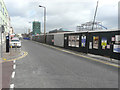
{"x":26,"y":38}
{"x":15,"y":43}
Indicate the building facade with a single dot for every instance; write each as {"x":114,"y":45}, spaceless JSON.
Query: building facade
{"x":119,"y":15}
{"x":4,"y":18}
{"x":36,"y":27}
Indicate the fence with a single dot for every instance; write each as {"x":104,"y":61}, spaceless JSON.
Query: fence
{"x":104,"y":43}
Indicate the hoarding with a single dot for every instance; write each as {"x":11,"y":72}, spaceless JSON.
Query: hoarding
{"x":83,"y":41}
{"x":108,"y":46}
{"x":113,"y":39}
{"x":59,"y":40}
{"x":104,"y":43}
{"x":90,"y":45}
{"x":116,"y":48}
{"x":95,"y":42}
{"x":117,"y":39}
{"x":73,"y":41}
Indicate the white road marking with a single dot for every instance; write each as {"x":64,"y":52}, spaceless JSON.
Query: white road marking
{"x":14,"y":67}
{"x":12,"y":86}
{"x":13,"y":74}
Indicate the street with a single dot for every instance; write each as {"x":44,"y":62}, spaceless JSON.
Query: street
{"x":45,"y":67}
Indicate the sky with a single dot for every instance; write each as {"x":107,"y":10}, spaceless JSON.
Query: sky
{"x":65,"y":14}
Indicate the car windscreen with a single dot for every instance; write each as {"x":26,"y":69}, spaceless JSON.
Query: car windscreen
{"x":14,"y":40}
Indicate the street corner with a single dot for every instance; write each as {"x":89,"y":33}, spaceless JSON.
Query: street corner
{"x":14,"y":55}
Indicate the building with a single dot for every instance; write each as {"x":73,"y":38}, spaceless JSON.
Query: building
{"x":36,"y":28}
{"x":119,"y":15}
{"x":11,"y":31}
{"x":61,"y":30}
{"x":4,"y":18}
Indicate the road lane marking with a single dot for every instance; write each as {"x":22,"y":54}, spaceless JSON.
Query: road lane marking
{"x":14,"y":67}
{"x":13,"y":74}
{"x":89,"y":58}
{"x":12,"y":86}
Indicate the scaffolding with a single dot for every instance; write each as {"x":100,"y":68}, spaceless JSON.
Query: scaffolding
{"x":88,"y":26}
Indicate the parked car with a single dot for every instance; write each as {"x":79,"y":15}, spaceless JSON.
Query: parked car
{"x":15,"y":43}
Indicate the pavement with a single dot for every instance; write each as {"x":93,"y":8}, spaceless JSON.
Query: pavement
{"x":46,"y":67}
{"x":13,"y":52}
{"x":110,"y":60}
{"x":6,"y":68}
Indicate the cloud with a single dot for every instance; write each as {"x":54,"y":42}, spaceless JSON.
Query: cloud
{"x":61,"y":13}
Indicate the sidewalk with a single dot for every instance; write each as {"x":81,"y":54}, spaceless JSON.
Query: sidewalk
{"x":97,"y":57}
{"x":6,"y":63}
{"x":13,"y":53}
{"x":107,"y":59}
{"x":6,"y":69}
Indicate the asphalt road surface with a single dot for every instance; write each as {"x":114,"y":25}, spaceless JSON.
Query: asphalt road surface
{"x":45,"y":67}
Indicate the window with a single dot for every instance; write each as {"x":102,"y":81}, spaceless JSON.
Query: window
{"x":15,"y":40}
{"x":3,"y":11}
{"x":5,"y":15}
{"x":0,"y":21}
{"x":3,"y":22}
{"x":0,"y":6}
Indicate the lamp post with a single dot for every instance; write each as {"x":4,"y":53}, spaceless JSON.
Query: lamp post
{"x":44,"y":21}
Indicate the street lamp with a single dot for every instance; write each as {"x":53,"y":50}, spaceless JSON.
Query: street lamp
{"x":44,"y":21}
{"x":30,"y":28}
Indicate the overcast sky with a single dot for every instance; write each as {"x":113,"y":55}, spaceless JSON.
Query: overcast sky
{"x":61,"y":13}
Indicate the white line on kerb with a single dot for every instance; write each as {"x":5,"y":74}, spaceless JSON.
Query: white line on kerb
{"x":14,"y":67}
{"x":12,"y":86}
{"x":13,"y":74}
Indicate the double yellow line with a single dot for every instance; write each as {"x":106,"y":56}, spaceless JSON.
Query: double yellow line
{"x":24,"y":55}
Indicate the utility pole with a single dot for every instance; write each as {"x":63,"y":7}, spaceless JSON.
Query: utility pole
{"x":44,"y":22}
{"x":95,"y":15}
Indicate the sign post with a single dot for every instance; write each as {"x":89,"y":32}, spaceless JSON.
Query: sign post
{"x":7,"y":44}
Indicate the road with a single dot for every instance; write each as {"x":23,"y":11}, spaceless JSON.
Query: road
{"x":45,"y":67}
